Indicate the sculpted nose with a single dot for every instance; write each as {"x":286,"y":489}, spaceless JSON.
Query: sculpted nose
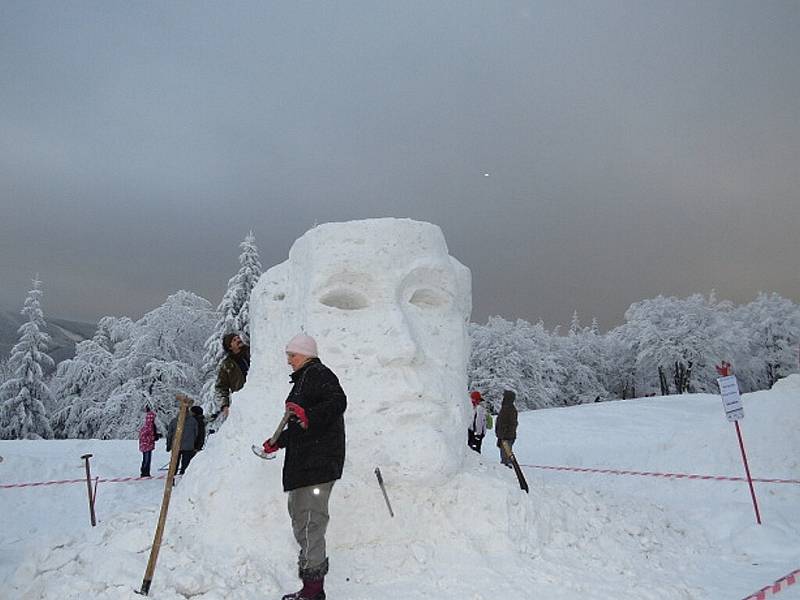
{"x":399,"y":348}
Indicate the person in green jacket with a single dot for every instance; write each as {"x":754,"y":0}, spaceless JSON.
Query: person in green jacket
{"x":233,"y":369}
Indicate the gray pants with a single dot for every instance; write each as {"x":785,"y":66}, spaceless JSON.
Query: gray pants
{"x":308,"y":508}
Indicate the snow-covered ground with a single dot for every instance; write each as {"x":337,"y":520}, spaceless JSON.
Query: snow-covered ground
{"x":388,"y":307}
{"x":591,"y":536}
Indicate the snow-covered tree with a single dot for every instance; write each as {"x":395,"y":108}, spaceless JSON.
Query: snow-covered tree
{"x":233,"y":316}
{"x":771,"y":327}
{"x":581,"y":358}
{"x":81,"y":385}
{"x":678,"y":341}
{"x":516,"y":356}
{"x":667,"y":345}
{"x":111,"y":331}
{"x":127,"y":365}
{"x":158,"y":359}
{"x":5,"y":370}
{"x":25,"y":395}
{"x":620,"y":373}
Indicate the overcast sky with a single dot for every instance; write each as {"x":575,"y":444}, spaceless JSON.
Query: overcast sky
{"x":577,"y":155}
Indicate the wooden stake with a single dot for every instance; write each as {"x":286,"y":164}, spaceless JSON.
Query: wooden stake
{"x":186,"y":402}
{"x":523,"y":483}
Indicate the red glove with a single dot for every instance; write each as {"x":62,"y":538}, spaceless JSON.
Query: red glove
{"x":299,"y":412}
{"x":269,"y":448}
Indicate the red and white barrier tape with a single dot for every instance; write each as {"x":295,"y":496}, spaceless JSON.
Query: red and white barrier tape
{"x":58,"y":482}
{"x":655,"y":474}
{"x":780,"y":585}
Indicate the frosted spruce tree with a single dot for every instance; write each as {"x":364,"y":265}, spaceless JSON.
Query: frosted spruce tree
{"x":5,"y":372}
{"x":158,"y":358}
{"x":128,"y":365}
{"x":234,"y":316}
{"x":81,"y":386}
{"x":25,"y":394}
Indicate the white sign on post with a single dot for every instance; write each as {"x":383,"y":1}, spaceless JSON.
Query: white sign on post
{"x":731,"y":400}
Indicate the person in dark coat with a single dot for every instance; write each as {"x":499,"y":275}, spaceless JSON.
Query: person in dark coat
{"x":314,"y":441}
{"x":505,"y":427}
{"x":187,"y":440}
{"x":233,"y":370}
{"x":197,"y":414}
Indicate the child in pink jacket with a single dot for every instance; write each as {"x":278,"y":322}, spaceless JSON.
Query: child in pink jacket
{"x":148,"y":434}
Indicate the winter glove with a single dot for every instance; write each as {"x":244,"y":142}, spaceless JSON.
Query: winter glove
{"x":298,"y":412}
{"x":269,"y":448}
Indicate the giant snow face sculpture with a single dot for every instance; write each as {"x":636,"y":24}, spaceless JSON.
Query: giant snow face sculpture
{"x":388,"y":307}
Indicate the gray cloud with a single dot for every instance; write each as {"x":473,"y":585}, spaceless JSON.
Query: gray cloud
{"x":632,"y":148}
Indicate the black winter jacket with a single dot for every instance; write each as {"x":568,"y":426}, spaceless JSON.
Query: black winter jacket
{"x":200,"y":440}
{"x":314,"y":455}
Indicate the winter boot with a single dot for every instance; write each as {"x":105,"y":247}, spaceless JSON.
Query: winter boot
{"x":312,"y":590}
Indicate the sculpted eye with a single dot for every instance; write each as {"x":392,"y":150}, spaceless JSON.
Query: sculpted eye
{"x":345,"y":300}
{"x":428,"y":298}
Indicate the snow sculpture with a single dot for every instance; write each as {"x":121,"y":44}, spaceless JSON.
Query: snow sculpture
{"x":388,"y":307}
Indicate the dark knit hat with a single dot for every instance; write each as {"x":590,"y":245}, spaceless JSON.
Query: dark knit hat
{"x":509,"y":395}
{"x":197,"y":410}
{"x":226,"y":340}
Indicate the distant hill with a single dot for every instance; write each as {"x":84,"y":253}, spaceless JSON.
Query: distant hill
{"x":65,"y":334}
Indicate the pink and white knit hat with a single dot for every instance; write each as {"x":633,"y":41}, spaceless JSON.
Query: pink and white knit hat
{"x":302,"y":344}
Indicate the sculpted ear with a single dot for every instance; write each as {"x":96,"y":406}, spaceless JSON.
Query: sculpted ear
{"x":464,"y":287}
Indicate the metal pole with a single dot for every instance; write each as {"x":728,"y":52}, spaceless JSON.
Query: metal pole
{"x":747,"y":471}
{"x":186,"y":402}
{"x":86,"y":458}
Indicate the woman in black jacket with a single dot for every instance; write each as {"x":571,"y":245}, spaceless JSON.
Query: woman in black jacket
{"x":315,"y":443}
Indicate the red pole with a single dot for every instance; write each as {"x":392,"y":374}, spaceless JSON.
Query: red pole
{"x":747,"y":471}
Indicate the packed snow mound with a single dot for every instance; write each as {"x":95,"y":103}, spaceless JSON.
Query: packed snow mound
{"x":388,"y":307}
